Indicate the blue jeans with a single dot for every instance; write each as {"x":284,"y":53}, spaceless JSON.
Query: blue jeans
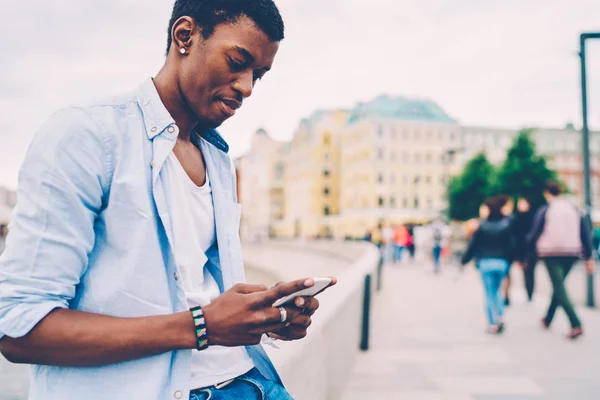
{"x":398,"y":250}
{"x":251,"y":386}
{"x":493,"y":271}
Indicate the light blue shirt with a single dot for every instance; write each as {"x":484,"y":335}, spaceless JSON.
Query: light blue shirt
{"x":91,"y":232}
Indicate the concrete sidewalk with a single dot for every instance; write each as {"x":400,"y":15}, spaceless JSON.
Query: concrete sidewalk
{"x":428,"y":342}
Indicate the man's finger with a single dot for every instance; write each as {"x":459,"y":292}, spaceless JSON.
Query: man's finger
{"x":302,"y":320}
{"x":272,"y":316}
{"x":289,"y":334}
{"x":285,"y":289}
{"x":245,"y":288}
{"x":308,"y":304}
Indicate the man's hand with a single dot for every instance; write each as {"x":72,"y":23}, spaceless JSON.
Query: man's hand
{"x":297,"y":327}
{"x":590,"y":267}
{"x":241,"y":315}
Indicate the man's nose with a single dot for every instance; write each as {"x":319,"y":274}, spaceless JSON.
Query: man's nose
{"x":245,"y":84}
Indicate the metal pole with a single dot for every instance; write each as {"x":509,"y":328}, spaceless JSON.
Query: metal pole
{"x":366,"y":315}
{"x":586,"y":158}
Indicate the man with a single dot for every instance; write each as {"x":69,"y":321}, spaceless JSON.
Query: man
{"x":122,"y":275}
{"x":400,"y":239}
{"x":438,"y":230}
{"x":387,"y":243}
{"x":561,"y":236}
{"x":523,"y":220}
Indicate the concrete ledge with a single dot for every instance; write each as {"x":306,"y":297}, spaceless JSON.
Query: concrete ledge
{"x":319,"y":366}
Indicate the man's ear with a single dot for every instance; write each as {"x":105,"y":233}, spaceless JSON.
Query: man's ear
{"x":183,"y":34}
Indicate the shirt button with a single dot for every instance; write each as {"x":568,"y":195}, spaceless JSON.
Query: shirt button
{"x":176,"y":275}
{"x":178,"y":394}
{"x":152,"y":163}
{"x":153,"y":129}
{"x":171,"y":129}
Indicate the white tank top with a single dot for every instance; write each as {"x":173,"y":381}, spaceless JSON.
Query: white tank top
{"x":193,"y":223}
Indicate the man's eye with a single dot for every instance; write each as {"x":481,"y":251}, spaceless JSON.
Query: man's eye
{"x":257,"y":77}
{"x":236,"y":65}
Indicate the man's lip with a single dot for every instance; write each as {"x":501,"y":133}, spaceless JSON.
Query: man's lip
{"x":232,"y":103}
{"x":226,"y":109}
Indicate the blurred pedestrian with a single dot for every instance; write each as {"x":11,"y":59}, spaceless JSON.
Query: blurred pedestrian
{"x":438,"y":233}
{"x":387,"y":243}
{"x":410,"y":243}
{"x":522,"y":225}
{"x":507,"y":210}
{"x":492,"y":246}
{"x":400,"y":242}
{"x":561,"y":236}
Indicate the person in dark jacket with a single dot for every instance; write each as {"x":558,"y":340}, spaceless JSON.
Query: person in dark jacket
{"x":492,"y":247}
{"x":561,"y":236}
{"x":522,"y":225}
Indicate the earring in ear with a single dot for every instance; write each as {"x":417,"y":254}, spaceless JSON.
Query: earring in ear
{"x":182,"y":50}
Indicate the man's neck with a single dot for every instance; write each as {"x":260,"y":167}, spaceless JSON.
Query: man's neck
{"x":170,"y":94}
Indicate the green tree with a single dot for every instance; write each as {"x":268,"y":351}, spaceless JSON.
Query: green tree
{"x":524,"y":173}
{"x":466,"y":192}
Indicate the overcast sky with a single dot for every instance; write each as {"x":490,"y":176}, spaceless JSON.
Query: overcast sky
{"x":507,"y":63}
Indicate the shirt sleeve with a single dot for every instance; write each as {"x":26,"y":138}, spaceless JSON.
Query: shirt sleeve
{"x":60,"y":193}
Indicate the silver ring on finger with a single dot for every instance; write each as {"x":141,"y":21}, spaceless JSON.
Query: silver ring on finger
{"x":283,"y":313}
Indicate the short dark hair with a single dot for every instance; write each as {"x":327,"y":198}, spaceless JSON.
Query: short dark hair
{"x":503,"y":199}
{"x":553,"y":188}
{"x":208,"y":14}
{"x":495,"y":204}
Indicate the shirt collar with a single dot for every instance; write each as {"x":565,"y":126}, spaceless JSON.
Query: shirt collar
{"x":157,"y":118}
{"x":155,"y":115}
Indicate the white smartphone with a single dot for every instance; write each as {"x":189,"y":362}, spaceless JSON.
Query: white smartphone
{"x":320,"y":285}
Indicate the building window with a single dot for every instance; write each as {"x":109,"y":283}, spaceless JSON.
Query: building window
{"x":429,"y":134}
{"x":405,"y":179}
{"x":393,"y":133}
{"x":417,"y":158}
{"x":380,"y":201}
{"x":417,"y":179}
{"x":405,"y":134}
{"x":279,"y":171}
{"x":427,"y":179}
{"x":417,"y":135}
{"x":326,"y":210}
{"x":429,"y":203}
{"x":393,"y":178}
{"x":326,"y":156}
{"x":327,"y":139}
{"x":380,"y":178}
{"x":326,"y":191}
{"x":380,"y":154}
{"x":416,"y":203}
{"x":380,"y":131}
{"x":404,"y":202}
{"x":405,"y":157}
{"x":326,"y":173}
{"x":393,"y":156}
{"x":428,"y":157}
{"x":392,"y":202}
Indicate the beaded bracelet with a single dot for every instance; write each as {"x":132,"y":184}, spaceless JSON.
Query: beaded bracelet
{"x":200,"y":325}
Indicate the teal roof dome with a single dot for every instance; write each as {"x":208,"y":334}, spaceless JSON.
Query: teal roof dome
{"x":399,"y":108}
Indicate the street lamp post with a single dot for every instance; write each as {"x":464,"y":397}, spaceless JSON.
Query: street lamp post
{"x":586,"y":150}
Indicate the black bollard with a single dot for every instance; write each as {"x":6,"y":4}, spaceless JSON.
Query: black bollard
{"x":364,"y":340}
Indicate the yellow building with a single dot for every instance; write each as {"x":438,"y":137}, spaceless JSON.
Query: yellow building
{"x":312,"y":176}
{"x":261,"y":186}
{"x":395,"y":163}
